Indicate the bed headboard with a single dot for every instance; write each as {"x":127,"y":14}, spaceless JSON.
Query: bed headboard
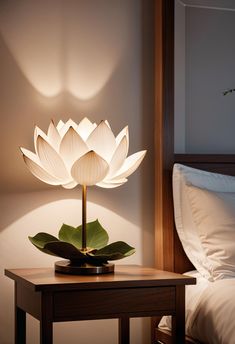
{"x":169,"y":253}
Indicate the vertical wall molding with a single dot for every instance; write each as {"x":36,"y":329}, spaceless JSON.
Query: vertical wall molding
{"x":180,"y":78}
{"x":164,"y":129}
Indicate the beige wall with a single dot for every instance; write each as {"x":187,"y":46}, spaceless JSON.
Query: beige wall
{"x":62,"y":59}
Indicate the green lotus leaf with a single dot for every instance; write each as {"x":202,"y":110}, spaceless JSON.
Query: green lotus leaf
{"x":97,"y":237}
{"x":114,"y":251}
{"x":71,"y":235}
{"x":51,"y":245}
{"x":41,"y":239}
{"x":65,"y":250}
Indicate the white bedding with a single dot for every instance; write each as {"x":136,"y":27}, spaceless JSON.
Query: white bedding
{"x":204,"y":208}
{"x":210,"y":310}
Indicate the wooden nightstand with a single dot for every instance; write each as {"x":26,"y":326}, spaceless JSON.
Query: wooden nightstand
{"x":132,"y":291}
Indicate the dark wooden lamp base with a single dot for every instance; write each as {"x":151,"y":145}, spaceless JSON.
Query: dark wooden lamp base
{"x":65,"y":267}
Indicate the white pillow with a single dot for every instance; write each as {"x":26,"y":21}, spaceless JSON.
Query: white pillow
{"x":214,"y":216}
{"x":186,"y":228}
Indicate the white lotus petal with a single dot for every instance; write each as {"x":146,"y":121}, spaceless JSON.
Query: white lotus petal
{"x":33,"y":164}
{"x":85,"y":127}
{"x":130,"y":165}
{"x":72,"y":147}
{"x":37,"y":132}
{"x":107,"y":122}
{"x":89,"y":169}
{"x":118,"y":158}
{"x":51,"y":161}
{"x":30,"y":155}
{"x":53,"y":136}
{"x":70,"y":123}
{"x":102,"y":141}
{"x":70,"y":185}
{"x":60,"y":125}
{"x":111,"y":184}
{"x":123,"y":132}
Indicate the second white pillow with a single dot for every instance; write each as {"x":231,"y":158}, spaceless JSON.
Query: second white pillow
{"x":214,"y":216}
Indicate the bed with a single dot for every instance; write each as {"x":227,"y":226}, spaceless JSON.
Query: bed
{"x":169,"y":251}
{"x":209,"y":306}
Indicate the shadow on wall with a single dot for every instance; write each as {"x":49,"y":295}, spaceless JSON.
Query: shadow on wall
{"x":52,"y":57}
{"x":70,"y":63}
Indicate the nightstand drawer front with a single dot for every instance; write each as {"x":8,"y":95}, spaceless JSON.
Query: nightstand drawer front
{"x":85,"y":304}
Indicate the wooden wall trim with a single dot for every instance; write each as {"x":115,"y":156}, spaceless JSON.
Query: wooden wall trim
{"x":204,"y":158}
{"x":164,"y":132}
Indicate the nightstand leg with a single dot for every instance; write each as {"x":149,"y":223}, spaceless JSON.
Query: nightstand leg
{"x":124,"y":330}
{"x":178,"y":321}
{"x":46,"y":332}
{"x":20,"y":326}
{"x":46,"y":323}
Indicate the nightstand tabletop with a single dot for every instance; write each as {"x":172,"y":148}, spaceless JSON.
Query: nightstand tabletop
{"x":124,"y":275}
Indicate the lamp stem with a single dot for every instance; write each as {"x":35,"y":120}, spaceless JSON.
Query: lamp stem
{"x":84,"y":192}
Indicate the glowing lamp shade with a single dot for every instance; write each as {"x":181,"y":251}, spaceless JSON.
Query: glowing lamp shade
{"x":86,"y":154}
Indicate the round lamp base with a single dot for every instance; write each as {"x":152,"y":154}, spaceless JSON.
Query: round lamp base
{"x":65,"y":267}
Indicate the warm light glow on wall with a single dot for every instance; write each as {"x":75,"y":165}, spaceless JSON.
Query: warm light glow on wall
{"x":84,"y":78}
{"x":15,"y":234}
{"x":55,"y":47}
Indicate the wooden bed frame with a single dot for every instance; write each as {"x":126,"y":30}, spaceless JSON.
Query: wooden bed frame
{"x":169,"y":252}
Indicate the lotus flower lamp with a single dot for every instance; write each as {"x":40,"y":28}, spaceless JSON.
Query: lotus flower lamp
{"x":85,"y":154}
